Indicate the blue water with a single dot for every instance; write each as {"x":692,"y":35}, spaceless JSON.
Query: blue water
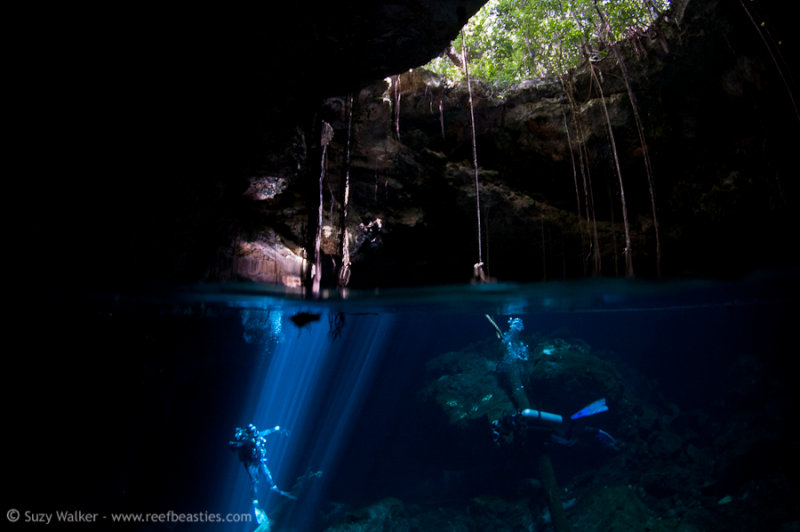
{"x":126,"y":402}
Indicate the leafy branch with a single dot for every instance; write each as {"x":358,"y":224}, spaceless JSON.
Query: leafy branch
{"x":513,"y":40}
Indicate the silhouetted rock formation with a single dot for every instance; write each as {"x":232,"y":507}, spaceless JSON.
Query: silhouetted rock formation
{"x":720,"y":131}
{"x":147,"y":141}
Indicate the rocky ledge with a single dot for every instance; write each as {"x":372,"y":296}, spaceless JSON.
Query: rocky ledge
{"x":719,"y":128}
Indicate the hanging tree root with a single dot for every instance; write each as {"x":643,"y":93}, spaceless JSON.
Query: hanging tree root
{"x":548,"y":478}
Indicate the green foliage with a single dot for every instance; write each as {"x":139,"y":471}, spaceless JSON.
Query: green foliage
{"x":512,"y":40}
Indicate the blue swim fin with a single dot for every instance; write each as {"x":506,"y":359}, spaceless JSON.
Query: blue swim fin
{"x":261,"y":517}
{"x":591,"y":409}
{"x":608,"y":440}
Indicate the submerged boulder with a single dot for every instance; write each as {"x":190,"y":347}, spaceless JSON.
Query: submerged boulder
{"x":560,"y":376}
{"x":385,"y":515}
{"x":620,"y":509}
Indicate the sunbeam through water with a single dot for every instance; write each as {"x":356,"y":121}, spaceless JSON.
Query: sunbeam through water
{"x":311,"y":384}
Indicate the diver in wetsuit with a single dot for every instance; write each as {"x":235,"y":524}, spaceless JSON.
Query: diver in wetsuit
{"x":250,"y":445}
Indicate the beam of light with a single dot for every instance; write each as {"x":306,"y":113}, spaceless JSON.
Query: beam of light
{"x":313,"y":386}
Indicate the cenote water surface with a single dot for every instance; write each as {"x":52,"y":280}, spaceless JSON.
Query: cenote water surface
{"x":388,"y":400}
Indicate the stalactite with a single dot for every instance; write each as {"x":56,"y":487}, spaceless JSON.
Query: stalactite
{"x":552,"y":492}
{"x":441,"y":115}
{"x":332,"y":206}
{"x":429,"y":94}
{"x":478,"y":268}
{"x":312,"y":198}
{"x":344,"y":270}
{"x":627,"y":251}
{"x":316,"y":279}
{"x":397,"y":95}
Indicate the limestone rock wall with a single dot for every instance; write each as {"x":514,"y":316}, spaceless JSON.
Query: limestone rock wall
{"x":718,"y":122}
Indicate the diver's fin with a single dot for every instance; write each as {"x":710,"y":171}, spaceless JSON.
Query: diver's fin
{"x":261,"y":516}
{"x":607,"y":439}
{"x":591,"y":409}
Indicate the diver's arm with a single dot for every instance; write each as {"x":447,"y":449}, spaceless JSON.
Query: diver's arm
{"x":276,"y":428}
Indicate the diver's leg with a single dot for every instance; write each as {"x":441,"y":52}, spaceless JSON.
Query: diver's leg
{"x":284,"y":493}
{"x":261,"y":516}
{"x":512,"y":380}
{"x":252,"y":471}
{"x":272,"y":485}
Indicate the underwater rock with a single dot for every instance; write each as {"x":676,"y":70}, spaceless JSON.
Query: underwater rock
{"x":496,"y":513}
{"x":470,"y":405}
{"x":465,"y":386}
{"x":385,"y":515}
{"x":486,"y":512}
{"x":619,"y":509}
{"x":560,"y":376}
{"x":667,"y":443}
{"x":444,"y":518}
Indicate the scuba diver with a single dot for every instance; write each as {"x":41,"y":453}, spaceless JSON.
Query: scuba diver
{"x":561,"y":431}
{"x":250,"y":444}
{"x":526,"y":418}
